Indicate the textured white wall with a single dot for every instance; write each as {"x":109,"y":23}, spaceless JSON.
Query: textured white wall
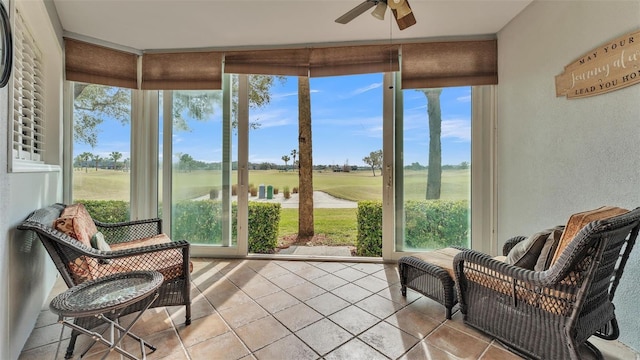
{"x":558,"y":156}
{"x":26,"y":271}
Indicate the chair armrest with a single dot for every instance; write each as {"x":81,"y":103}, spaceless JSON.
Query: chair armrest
{"x":482,"y":263}
{"x":130,"y":230}
{"x":511,"y":243}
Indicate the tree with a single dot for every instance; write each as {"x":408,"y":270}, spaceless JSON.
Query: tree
{"x":115,"y":155}
{"x":286,"y":159}
{"x":186,"y":162}
{"x":93,"y":103}
{"x":434,"y":175}
{"x":374,"y":160}
{"x":294,"y":153}
{"x":84,"y":159}
{"x":305,"y":170}
{"x":97,"y":159}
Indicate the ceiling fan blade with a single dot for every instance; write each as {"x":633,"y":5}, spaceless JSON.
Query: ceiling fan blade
{"x":355,"y":12}
{"x":407,"y":19}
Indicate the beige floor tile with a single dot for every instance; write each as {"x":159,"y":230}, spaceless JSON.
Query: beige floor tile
{"x":288,"y":280}
{"x":200,"y":307}
{"x":355,"y":350}
{"x":329,"y":282}
{"x":354,"y":319}
{"x":324,"y":336}
{"x":350,"y":274}
{"x":277,"y":301}
{"x":388,"y":339}
{"x":378,"y":306}
{"x":167,"y":342}
{"x":423,"y":350}
{"x":227,"y":299}
{"x":368,"y":268}
{"x":371,"y":283}
{"x":329,"y":266}
{"x":45,"y":335}
{"x":388,"y":274}
{"x":262,"y":332}
{"x":413,"y":322}
{"x":224,"y":347}
{"x":305,"y":291}
{"x":272,"y":270}
{"x":297,"y":316}
{"x":202,"y":329}
{"x":259,"y":287}
{"x":327,"y":304}
{"x":244,"y":314}
{"x":296,"y":267}
{"x":456,"y":342}
{"x":289,"y":347}
{"x":351,"y":293}
{"x":151,"y":322}
{"x":312,"y":273}
{"x":498,"y":353}
{"x":457,"y":322}
{"x":394,"y":294}
{"x":428,"y":307}
{"x":45,"y":352}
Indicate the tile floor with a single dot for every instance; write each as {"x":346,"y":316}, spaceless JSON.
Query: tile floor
{"x":272,"y":309}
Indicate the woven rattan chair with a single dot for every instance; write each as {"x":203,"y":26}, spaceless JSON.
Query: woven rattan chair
{"x":550,"y":314}
{"x":65,"y":250}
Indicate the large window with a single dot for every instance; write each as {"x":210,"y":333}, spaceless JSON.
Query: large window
{"x":102,"y":147}
{"x":434,"y":190}
{"x":200,"y":212}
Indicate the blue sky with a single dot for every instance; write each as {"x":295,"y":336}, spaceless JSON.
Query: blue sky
{"x":347,"y":125}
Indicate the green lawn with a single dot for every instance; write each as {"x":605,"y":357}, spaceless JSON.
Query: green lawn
{"x":338,"y":226}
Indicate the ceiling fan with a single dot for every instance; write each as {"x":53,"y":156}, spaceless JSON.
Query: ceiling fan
{"x":400,"y":8}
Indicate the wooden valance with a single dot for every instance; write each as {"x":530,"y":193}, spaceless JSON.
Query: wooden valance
{"x":95,"y":64}
{"x":422,"y":65}
{"x":453,"y":63}
{"x":182,"y":71}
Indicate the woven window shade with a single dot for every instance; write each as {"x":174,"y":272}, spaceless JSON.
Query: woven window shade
{"x":444,"y":64}
{"x":346,"y":60}
{"x":182,"y":71}
{"x":96,"y":64}
{"x":291,"y":62}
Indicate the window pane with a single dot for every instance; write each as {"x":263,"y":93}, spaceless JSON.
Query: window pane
{"x":197,"y":207}
{"x":436,"y":173}
{"x":101,"y":149}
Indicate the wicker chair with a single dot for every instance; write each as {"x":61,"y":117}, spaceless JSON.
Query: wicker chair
{"x":550,"y":314}
{"x":65,"y":250}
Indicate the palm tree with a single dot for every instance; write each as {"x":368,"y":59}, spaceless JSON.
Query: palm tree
{"x":286,"y":159}
{"x":305,"y":168}
{"x":84,"y":159}
{"x":434,"y":174}
{"x":115,"y":155}
{"x":97,"y":159}
{"x":294,"y":153}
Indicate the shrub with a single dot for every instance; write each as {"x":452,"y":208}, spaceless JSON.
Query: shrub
{"x":369,"y":242}
{"x":434,"y":224}
{"x":275,"y":191}
{"x":286,"y":192}
{"x":109,"y":211}
{"x":213,"y":194}
{"x":197,"y":221}
{"x":253,"y":190}
{"x":234,"y":189}
{"x":264,"y":222}
{"x":295,"y":190}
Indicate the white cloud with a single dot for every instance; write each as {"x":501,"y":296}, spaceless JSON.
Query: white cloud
{"x":457,"y":128}
{"x":365,"y":89}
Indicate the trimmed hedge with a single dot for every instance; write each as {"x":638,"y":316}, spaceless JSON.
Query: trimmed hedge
{"x":435,"y":224}
{"x":109,"y":211}
{"x":199,"y":222}
{"x":369,"y":242}
{"x":429,"y":224}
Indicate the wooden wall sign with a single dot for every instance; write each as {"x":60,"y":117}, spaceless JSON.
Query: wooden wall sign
{"x":612,"y":66}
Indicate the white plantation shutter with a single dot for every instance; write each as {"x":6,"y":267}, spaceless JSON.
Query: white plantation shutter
{"x":28,"y":96}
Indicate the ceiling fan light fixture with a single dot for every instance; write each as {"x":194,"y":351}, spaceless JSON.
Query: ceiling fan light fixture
{"x":379,"y":11}
{"x":401,"y":8}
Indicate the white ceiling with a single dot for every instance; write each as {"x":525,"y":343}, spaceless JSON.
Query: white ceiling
{"x":194,"y":24}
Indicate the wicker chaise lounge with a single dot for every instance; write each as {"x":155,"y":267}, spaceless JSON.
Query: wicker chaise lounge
{"x":550,"y":314}
{"x":131,"y":246}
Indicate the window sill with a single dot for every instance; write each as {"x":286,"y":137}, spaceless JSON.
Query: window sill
{"x":25,"y":166}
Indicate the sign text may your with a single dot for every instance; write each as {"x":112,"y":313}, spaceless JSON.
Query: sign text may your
{"x":612,"y":66}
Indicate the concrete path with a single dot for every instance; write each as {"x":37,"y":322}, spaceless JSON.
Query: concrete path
{"x":321,"y":200}
{"x":321,"y":250}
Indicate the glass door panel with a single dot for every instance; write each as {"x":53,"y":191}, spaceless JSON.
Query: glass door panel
{"x":434,"y":190}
